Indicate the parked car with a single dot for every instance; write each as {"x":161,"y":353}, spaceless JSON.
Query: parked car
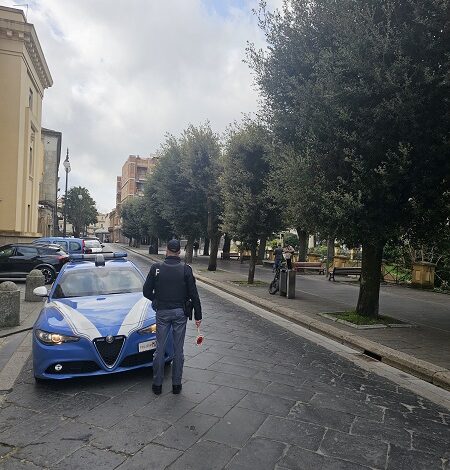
{"x":92,"y":245}
{"x":68,"y":244}
{"x":95,"y":321}
{"x":18,"y":259}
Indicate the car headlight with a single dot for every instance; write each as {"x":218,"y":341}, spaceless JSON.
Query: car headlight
{"x":148,"y":330}
{"x":54,"y":338}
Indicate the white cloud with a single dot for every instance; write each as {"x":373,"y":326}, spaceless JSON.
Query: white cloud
{"x":127,"y":71}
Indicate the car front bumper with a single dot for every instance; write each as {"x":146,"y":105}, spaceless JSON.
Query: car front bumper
{"x":82,"y":358}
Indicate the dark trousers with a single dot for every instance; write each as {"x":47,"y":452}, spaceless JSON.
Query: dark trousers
{"x":164,"y":320}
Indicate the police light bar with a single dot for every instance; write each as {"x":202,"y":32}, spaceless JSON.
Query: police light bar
{"x":92,"y":256}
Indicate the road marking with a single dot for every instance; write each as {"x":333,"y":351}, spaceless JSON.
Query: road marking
{"x":420,"y":387}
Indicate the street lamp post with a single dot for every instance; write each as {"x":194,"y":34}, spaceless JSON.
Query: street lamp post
{"x":80,"y":211}
{"x":66,"y":165}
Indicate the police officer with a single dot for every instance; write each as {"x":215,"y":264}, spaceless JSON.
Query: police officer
{"x":168,"y":286}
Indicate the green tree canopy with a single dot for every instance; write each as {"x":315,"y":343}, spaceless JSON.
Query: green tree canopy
{"x":201,"y":150}
{"x":134,"y":223}
{"x":80,"y":209}
{"x":250,"y":211}
{"x":178,"y":202}
{"x":157,"y":226}
{"x":358,"y":95}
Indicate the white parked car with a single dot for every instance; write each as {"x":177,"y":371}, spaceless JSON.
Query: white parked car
{"x":92,"y":246}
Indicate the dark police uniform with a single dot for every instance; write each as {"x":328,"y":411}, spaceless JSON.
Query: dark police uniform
{"x":168,"y":286}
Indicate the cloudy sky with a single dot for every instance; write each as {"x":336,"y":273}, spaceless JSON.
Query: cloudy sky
{"x":126,"y":72}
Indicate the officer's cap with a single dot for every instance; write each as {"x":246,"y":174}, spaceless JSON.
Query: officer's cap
{"x":174,"y":245}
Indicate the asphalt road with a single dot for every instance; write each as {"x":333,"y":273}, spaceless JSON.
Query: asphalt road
{"x":255,"y":396}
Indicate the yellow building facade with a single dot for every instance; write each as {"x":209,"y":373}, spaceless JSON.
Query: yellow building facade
{"x":24,"y":75}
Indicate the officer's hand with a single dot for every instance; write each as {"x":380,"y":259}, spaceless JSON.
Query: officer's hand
{"x":197,"y":323}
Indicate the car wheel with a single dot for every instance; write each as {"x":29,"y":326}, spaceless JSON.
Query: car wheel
{"x":49,"y":274}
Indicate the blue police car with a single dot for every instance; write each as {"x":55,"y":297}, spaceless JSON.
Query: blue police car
{"x":95,"y":321}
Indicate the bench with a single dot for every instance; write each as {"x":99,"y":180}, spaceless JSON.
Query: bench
{"x":310,"y":266}
{"x":345,"y":271}
{"x":230,"y":255}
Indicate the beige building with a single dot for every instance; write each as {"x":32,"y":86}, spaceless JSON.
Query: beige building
{"x":100,"y":228}
{"x":24,"y":75}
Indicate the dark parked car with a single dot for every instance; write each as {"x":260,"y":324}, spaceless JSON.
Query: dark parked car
{"x":18,"y":259}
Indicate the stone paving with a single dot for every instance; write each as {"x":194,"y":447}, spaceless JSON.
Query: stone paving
{"x":255,"y":396}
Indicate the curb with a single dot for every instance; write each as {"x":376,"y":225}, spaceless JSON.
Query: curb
{"x":439,"y":376}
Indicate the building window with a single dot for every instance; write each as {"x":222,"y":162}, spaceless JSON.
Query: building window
{"x":30,"y":99}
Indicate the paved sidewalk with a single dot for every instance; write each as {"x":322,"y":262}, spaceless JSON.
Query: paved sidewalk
{"x":422,"y":350}
{"x":15,"y":342}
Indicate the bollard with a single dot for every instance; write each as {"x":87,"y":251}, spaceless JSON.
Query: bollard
{"x":34,"y":279}
{"x":9,"y":304}
{"x":287,"y":283}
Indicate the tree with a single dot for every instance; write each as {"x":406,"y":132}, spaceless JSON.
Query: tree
{"x":80,"y":209}
{"x":250,"y":211}
{"x":201,"y":149}
{"x":134,"y":224}
{"x":357,"y":93}
{"x":177,"y":200}
{"x":157,"y":227}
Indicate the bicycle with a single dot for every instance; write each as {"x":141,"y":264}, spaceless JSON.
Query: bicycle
{"x":274,"y":286}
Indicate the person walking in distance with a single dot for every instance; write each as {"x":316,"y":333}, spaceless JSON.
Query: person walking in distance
{"x":288,"y":252}
{"x":169,"y":285}
{"x":196,"y":246}
{"x":278,"y":253}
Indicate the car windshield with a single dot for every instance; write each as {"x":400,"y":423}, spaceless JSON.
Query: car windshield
{"x":98,"y":281}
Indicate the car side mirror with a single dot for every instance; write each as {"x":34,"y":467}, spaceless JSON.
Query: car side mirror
{"x":40,"y":291}
{"x":103,"y":246}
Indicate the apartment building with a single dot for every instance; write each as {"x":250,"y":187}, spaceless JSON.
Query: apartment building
{"x":134,"y":174}
{"x":130,"y":184}
{"x":24,"y":75}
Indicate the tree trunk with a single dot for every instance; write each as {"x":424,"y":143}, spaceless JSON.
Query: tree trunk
{"x":302,"y":244}
{"x":369,"y":291}
{"x":226,"y":247}
{"x":188,"y":250}
{"x":206,"y":247}
{"x":251,"y":268}
{"x":261,"y":250}
{"x":212,"y":264}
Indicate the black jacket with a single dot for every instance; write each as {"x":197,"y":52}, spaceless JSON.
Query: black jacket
{"x":170,"y":284}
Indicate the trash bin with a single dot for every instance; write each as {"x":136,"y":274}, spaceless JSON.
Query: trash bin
{"x":287,"y":283}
